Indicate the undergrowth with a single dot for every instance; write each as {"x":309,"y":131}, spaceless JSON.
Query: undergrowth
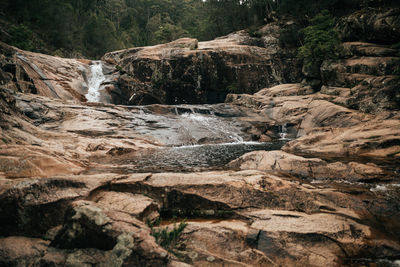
{"x":168,"y":239}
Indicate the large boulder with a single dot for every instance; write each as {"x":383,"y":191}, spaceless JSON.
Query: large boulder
{"x":188,"y":71}
{"x":125,"y":240}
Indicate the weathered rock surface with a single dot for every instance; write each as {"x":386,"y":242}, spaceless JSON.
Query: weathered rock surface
{"x":71,"y":195}
{"x":188,"y":71}
{"x":53,"y":77}
{"x":313,"y":168}
{"x":372,"y":25}
{"x":366,"y":78}
{"x":58,"y":138}
{"x":326,"y":123}
{"x":42,"y":74}
{"x":247,"y":218}
{"x":126,"y":239}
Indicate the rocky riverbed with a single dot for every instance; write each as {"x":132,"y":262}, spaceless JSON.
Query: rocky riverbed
{"x":284,"y":175}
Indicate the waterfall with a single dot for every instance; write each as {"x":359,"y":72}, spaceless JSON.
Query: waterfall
{"x":95,"y":79}
{"x":283,"y":132}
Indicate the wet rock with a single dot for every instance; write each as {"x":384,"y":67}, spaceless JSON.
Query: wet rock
{"x":324,"y":126}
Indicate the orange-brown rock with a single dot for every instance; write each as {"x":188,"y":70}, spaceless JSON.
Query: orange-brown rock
{"x":313,"y":168}
{"x":188,"y":71}
{"x":73,"y":191}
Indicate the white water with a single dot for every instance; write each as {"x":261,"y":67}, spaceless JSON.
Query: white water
{"x":196,"y":138}
{"x":189,"y":128}
{"x":283,"y":132}
{"x":384,"y":188}
{"x":95,"y":79}
{"x":212,"y":124}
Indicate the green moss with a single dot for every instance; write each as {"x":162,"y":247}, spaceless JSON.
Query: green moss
{"x":119,"y":68}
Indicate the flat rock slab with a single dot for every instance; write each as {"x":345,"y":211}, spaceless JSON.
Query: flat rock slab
{"x":137,"y":205}
{"x":313,"y":168}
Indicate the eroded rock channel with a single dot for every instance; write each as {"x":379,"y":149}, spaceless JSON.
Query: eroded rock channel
{"x":284,"y":175}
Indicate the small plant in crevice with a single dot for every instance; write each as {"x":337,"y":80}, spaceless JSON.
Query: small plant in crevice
{"x":168,"y":239}
{"x":156,"y":222}
{"x":233,"y":88}
{"x":119,"y":68}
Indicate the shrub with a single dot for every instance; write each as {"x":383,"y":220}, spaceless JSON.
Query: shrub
{"x":166,"y":238}
{"x":21,"y":37}
{"x":233,"y":88}
{"x":321,"y":41}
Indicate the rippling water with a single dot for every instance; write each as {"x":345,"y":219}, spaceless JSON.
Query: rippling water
{"x":174,"y":129}
{"x":195,"y":157}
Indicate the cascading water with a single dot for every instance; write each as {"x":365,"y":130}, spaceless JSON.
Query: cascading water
{"x":95,"y":79}
{"x":195,"y":138}
{"x":187,"y":128}
{"x":283,"y":132}
{"x":213,"y":125}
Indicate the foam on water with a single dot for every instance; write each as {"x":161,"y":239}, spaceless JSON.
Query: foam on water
{"x":214,"y":125}
{"x":95,"y":79}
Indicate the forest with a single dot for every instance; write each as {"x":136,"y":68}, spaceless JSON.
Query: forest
{"x":89,"y":28}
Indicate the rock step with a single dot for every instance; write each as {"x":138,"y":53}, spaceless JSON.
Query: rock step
{"x":362,"y":49}
{"x":373,"y":66}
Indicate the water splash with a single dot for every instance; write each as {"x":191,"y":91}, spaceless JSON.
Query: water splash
{"x":95,"y":79}
{"x":213,"y":125}
{"x":187,"y":126}
{"x":283,"y":132}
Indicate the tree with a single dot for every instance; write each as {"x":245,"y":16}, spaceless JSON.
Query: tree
{"x":321,"y":41}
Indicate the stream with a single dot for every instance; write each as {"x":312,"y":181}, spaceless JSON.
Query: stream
{"x":195,"y":157}
{"x":192,"y":137}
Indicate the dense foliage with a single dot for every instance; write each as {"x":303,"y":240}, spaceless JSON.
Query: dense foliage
{"x":92,"y":27}
{"x":321,"y":41}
